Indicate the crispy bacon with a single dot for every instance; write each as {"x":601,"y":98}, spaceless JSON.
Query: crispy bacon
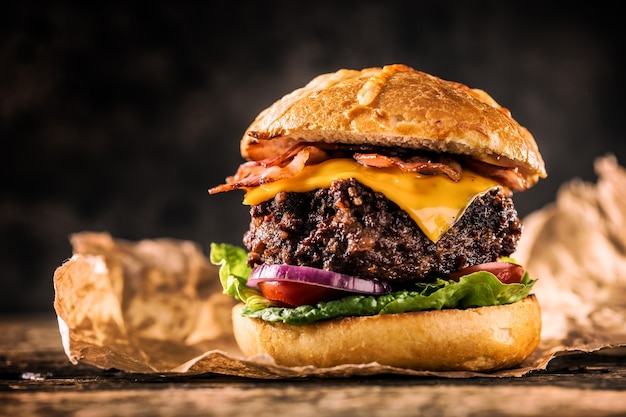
{"x":254,"y":173}
{"x":316,"y":155}
{"x":287,"y":165}
{"x":508,"y":177}
{"x":418,"y":164}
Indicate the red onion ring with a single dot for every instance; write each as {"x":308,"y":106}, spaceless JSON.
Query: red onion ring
{"x":316,"y":276}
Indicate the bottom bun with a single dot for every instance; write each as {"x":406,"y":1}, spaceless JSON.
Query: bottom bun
{"x":475,"y":339}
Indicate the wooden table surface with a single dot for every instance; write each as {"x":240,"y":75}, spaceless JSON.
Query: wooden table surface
{"x":36,"y":379}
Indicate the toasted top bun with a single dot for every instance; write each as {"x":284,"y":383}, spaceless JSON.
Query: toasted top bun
{"x":395,"y":106}
{"x":476,"y":339}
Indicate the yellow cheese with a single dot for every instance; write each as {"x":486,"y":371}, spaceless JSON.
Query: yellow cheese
{"x":434,"y":202}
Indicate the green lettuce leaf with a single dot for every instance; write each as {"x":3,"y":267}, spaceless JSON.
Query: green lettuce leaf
{"x":479,"y":289}
{"x":234,"y":272}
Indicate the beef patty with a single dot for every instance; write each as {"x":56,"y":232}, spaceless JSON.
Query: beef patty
{"x":350,"y":228}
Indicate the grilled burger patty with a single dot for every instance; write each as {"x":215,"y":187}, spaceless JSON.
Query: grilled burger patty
{"x":351,"y":229}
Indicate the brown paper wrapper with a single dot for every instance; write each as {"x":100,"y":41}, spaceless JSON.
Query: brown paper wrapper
{"x":156,"y":306}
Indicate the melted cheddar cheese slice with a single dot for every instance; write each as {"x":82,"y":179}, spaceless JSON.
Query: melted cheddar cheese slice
{"x":434,"y":202}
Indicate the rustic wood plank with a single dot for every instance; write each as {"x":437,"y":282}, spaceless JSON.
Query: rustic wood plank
{"x":37,"y":379}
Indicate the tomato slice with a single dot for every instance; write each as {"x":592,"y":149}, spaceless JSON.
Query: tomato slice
{"x":297,"y":293}
{"x":506,"y":272}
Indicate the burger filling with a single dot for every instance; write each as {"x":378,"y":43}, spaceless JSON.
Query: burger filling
{"x":351,"y":229}
{"x":425,"y":230}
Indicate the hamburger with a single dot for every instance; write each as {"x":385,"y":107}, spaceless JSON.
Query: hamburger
{"x":382,"y":225}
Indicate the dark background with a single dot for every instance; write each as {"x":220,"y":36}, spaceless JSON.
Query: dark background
{"x":119,"y":117}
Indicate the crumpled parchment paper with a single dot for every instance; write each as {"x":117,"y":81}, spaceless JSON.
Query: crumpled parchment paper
{"x":156,"y":306}
{"x":576,"y":246}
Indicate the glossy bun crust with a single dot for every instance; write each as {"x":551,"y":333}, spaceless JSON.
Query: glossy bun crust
{"x":395,"y":106}
{"x":477,"y":339}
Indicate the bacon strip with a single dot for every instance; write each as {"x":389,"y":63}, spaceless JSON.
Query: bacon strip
{"x":255,"y":173}
{"x":508,"y":177}
{"x":417,"y":164}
